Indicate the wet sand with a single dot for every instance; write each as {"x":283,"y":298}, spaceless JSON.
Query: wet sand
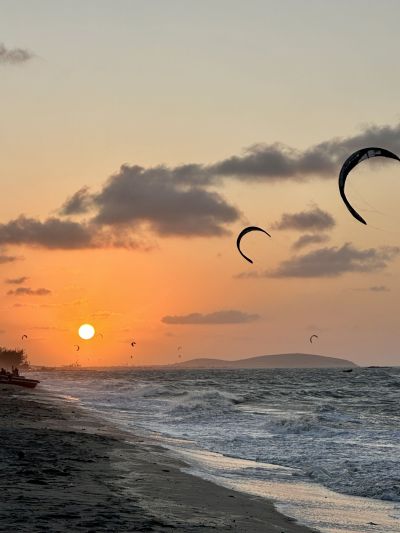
{"x":62,"y":469}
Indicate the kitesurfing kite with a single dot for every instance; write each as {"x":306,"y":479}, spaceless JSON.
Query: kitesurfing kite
{"x":24,"y":337}
{"x":351,"y":162}
{"x":77,"y":347}
{"x":133,"y":344}
{"x":243,"y":233}
{"x":312,"y":336}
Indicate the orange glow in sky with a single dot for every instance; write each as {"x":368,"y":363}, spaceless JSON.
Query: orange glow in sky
{"x":125,"y":178}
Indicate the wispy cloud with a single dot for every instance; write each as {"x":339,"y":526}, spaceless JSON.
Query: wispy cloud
{"x":16,"y":281}
{"x":217,"y":317}
{"x":374,"y":288}
{"x":309,"y":239}
{"x":27,"y":291}
{"x":312,"y":220}
{"x":14,"y":56}
{"x":4,"y":258}
{"x":329,"y":263}
{"x":335,"y":261}
{"x":379,"y":288}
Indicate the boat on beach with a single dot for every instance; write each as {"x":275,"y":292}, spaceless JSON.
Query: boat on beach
{"x":18,"y":380}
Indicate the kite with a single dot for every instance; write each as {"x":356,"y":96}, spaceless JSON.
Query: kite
{"x":311,"y":338}
{"x":351,"y":162}
{"x":243,"y":233}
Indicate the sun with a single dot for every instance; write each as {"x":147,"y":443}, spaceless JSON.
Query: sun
{"x":86,"y":331}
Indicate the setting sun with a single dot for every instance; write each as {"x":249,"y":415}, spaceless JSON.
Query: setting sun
{"x":86,"y":331}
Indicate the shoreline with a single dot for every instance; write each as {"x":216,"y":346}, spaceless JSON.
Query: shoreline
{"x":63,"y":469}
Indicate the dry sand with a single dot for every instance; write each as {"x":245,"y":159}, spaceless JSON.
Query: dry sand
{"x":64,"y":470}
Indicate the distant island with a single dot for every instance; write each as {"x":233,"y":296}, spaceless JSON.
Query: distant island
{"x":286,"y":360}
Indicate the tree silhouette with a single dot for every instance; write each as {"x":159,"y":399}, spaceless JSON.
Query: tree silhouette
{"x":9,"y":358}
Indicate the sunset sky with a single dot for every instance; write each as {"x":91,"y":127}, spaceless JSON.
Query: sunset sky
{"x":139,"y":137}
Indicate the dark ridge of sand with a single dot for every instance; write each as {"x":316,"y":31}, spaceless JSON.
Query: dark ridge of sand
{"x":64,"y":470}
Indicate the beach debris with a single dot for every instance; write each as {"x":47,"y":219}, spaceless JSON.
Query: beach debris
{"x":24,"y":337}
{"x":243,"y":233}
{"x":351,"y":162}
{"x":77,"y":347}
{"x":312,"y":337}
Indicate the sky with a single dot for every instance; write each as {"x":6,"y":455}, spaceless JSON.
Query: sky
{"x":137,"y":139}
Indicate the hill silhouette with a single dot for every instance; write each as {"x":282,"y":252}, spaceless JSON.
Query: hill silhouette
{"x":287,"y":360}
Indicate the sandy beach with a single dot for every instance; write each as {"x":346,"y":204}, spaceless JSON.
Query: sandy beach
{"x":62,"y":469}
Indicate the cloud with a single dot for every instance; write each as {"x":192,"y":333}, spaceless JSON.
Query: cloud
{"x":8,"y":258}
{"x":52,"y":233}
{"x":78,"y":203}
{"x":379,"y":288}
{"x":27,"y":291}
{"x":277,"y":162}
{"x":16,"y":281}
{"x":308,"y":239}
{"x":332,"y":262}
{"x":56,"y":234}
{"x":131,"y":200}
{"x":251,"y":274}
{"x":312,"y":220}
{"x":104,"y":314}
{"x":374,"y":288}
{"x":179,"y":201}
{"x":159,"y":199}
{"x":14,"y":56}
{"x":218,"y":317}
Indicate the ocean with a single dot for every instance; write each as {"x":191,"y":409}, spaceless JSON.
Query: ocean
{"x":323,"y":444}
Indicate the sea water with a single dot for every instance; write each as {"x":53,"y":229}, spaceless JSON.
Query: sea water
{"x":323,"y":444}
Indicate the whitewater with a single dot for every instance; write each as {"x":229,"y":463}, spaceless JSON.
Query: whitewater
{"x":323,"y":444}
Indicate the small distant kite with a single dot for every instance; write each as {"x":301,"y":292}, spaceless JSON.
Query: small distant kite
{"x":133,"y":344}
{"x":100,"y":335}
{"x":312,"y":337}
{"x":243,"y":233}
{"x":77,"y":347}
{"x":24,"y":337}
{"x":351,"y":162}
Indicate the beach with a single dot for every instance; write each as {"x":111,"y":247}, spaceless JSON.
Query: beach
{"x":65,"y":469}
